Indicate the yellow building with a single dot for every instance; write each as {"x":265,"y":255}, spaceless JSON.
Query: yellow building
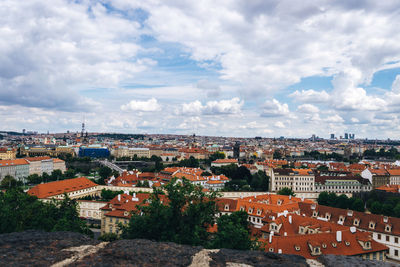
{"x":7,"y":153}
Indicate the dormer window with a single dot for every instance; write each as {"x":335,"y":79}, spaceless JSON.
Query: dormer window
{"x":250,"y":210}
{"x":126,"y":213}
{"x":356,"y":222}
{"x":347,"y":243}
{"x":258,"y":212}
{"x":327,"y":216}
{"x":279,"y":202}
{"x":385,"y":219}
{"x":226,"y":207}
{"x":371,"y":225}
{"x":334,"y":244}
{"x":388,"y":228}
{"x":241,"y":208}
{"x":323,"y":245}
{"x":271,"y":249}
{"x":297,"y":248}
{"x":317,"y":250}
{"x":368,"y":245}
{"x":315,"y":213}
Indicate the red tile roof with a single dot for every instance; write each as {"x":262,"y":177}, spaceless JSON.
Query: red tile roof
{"x":60,"y":187}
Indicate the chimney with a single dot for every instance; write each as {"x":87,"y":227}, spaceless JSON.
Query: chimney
{"x":290,"y":196}
{"x":339,"y":236}
{"x":290,"y":219}
{"x":280,"y":251}
{"x":271,"y":234}
{"x":284,"y":234}
{"x":119,"y":197}
{"x":353,"y":229}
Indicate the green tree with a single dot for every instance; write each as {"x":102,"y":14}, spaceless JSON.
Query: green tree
{"x":233,"y":232}
{"x":107,"y":195}
{"x":108,"y":237}
{"x":104,"y":173}
{"x":358,"y":205}
{"x":286,"y":191}
{"x":34,"y":179}
{"x":57,"y":175}
{"x":20,"y":211}
{"x":8,"y":182}
{"x":376,"y":208}
{"x":387,"y":209}
{"x":342,"y":202}
{"x":184,"y":218}
{"x":396,"y":210}
{"x":323,"y":198}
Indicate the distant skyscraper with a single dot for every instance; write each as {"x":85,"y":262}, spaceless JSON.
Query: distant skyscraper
{"x":346,"y":136}
{"x":23,"y":131}
{"x":332,"y":136}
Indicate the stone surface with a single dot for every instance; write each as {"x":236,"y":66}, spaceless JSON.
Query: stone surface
{"x":36,"y":248}
{"x":59,"y":249}
{"x":346,"y":261}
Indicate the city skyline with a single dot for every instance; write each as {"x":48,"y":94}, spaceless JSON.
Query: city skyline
{"x":265,"y":68}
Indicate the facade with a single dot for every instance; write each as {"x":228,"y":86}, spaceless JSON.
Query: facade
{"x":224,"y":162}
{"x":394,"y":178}
{"x":18,"y":169}
{"x":131,"y":151}
{"x":299,"y":180}
{"x":377,"y":177}
{"x":59,"y":164}
{"x":7,"y":153}
{"x":340,"y":183}
{"x":94,"y":152}
{"x":90,"y":209}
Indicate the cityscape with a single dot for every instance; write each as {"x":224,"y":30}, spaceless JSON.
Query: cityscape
{"x":208,"y":133}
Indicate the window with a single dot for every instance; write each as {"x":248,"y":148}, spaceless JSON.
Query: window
{"x":396,"y":252}
{"x":271,"y":249}
{"x":379,"y":236}
{"x":323,"y":245}
{"x":396,"y":240}
{"x":297,"y":248}
{"x":334,"y":244}
{"x":387,"y":238}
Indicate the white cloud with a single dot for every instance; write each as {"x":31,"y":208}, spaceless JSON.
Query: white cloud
{"x":279,"y":124}
{"x":396,"y":85}
{"x":273,"y":108}
{"x":308,"y":108}
{"x":222,"y":107}
{"x":310,"y":96}
{"x":145,"y":106}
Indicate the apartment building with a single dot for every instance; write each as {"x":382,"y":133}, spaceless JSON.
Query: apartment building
{"x":377,"y":177}
{"x":7,"y":153}
{"x":131,"y":151}
{"x":340,"y":183}
{"x":299,"y":180}
{"x":18,"y":168}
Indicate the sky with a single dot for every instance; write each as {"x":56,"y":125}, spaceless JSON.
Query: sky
{"x":265,"y":68}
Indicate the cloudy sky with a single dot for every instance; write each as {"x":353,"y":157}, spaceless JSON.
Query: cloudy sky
{"x":229,"y":68}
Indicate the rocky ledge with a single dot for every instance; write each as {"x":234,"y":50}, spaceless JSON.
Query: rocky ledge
{"x":58,"y":249}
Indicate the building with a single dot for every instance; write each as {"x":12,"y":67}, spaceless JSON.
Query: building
{"x":385,"y":230}
{"x":377,"y":177}
{"x":194,"y":175}
{"x":91,"y":210}
{"x":7,"y":153}
{"x":224,"y":162}
{"x":74,"y":188}
{"x":299,"y":180}
{"x":394,"y":176}
{"x":340,"y":183}
{"x":59,"y":164}
{"x":17,"y":168}
{"x":131,"y":152}
{"x":94,"y":152}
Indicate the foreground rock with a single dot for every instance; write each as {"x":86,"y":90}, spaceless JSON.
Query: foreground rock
{"x":58,"y":249}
